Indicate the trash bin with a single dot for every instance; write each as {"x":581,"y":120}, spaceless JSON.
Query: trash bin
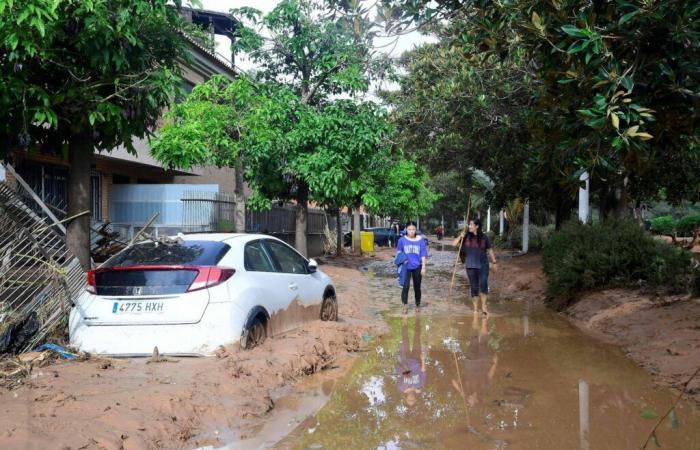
{"x":366,"y":241}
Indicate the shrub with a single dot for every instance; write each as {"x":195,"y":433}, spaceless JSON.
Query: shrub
{"x":613,"y":253}
{"x":664,"y":225}
{"x":687,"y":225}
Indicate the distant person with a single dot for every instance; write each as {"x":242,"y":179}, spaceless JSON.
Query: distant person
{"x":416,"y":250}
{"x":440,"y":232}
{"x":477,"y":248}
{"x":411,"y":375}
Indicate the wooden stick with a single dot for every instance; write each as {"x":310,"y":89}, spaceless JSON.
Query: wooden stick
{"x":61,"y":222}
{"x":459,"y":247}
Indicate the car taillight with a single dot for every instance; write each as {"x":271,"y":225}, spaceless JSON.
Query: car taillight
{"x":210,"y":276}
{"x":91,"y":283}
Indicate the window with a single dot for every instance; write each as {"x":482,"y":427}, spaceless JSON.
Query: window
{"x":289,"y":261}
{"x":190,"y":253}
{"x":255,"y":259}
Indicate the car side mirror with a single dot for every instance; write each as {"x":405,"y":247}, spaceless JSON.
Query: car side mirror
{"x":312,"y":265}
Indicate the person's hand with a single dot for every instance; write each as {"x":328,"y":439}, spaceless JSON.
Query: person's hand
{"x":495,"y":267}
{"x":422,"y":271}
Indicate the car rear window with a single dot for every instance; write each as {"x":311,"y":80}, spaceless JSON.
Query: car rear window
{"x":190,"y":253}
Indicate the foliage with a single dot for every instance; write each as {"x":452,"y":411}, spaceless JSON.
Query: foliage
{"x":103,"y":67}
{"x":296,"y":142}
{"x":302,"y":45}
{"x":583,"y":257}
{"x":402,"y":192}
{"x":664,"y":225}
{"x":669,"y":226}
{"x":687,"y":225}
{"x":609,"y":87}
{"x":76,"y":76}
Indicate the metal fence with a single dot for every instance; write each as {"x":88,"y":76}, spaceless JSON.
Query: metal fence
{"x":39,"y":276}
{"x":282,"y":220}
{"x":210,"y":211}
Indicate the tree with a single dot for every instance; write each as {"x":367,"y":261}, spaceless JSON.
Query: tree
{"x":616,"y":85}
{"x":301,"y":45}
{"x":85,"y":75}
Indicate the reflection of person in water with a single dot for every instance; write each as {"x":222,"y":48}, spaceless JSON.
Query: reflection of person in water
{"x":410,"y":369}
{"x":481,"y":361}
{"x":479,"y":366}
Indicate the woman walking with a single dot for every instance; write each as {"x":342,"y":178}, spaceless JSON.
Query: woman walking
{"x":478,"y":252}
{"x":416,"y":251}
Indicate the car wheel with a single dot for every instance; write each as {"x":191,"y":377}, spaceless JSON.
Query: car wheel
{"x":254,"y":335}
{"x":329,"y":309}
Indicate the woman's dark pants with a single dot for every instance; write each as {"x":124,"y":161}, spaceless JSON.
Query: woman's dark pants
{"x":416,"y":276}
{"x":479,"y":280}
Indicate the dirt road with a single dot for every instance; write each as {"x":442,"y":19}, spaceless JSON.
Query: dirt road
{"x":181,"y":402}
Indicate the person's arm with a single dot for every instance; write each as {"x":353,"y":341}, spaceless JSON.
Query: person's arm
{"x":423,"y":256}
{"x":455,"y":243}
{"x":490,"y":253}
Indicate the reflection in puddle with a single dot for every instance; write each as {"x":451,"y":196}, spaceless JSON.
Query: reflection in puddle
{"x":523,"y":378}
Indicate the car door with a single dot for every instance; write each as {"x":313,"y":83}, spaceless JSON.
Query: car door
{"x":270,"y":284}
{"x":308,"y":286}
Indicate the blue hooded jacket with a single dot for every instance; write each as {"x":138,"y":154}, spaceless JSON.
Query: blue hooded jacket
{"x":401,"y":271}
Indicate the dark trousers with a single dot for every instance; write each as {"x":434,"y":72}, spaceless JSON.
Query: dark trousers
{"x":416,"y":276}
{"x":479,"y":280}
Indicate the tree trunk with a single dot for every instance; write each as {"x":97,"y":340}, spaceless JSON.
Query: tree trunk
{"x":339,"y":234}
{"x":302,"y":213}
{"x":356,"y":247}
{"x":622,"y":210}
{"x":78,"y":230}
{"x":239,"y":214}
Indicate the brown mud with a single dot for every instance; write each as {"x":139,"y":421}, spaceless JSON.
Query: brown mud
{"x":184,"y":403}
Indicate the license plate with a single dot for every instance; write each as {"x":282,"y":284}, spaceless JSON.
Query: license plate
{"x":139,"y":307}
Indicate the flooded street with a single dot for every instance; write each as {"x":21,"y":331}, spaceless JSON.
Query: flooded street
{"x":523,"y":378}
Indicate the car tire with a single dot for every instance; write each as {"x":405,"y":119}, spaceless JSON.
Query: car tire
{"x":254,"y":335}
{"x":329,"y":309}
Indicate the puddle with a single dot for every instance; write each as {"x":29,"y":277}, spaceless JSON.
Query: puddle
{"x":523,"y":379}
{"x":516,"y":380}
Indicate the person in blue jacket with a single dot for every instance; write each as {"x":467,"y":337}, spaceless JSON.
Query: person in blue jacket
{"x":416,"y":251}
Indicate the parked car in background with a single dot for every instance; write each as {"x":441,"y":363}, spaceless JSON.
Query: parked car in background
{"x":188,"y":296}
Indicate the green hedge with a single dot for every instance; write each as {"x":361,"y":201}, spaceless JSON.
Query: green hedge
{"x":683,"y":227}
{"x":614,"y":253}
{"x":663,"y":225}
{"x":687,"y":225}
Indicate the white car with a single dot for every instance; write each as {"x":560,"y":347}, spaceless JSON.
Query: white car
{"x":189,"y":295}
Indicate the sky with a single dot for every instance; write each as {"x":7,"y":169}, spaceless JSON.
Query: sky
{"x":385,"y":45}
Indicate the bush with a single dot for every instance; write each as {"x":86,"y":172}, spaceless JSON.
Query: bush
{"x":613,"y":253}
{"x":687,"y":225}
{"x":664,"y":225}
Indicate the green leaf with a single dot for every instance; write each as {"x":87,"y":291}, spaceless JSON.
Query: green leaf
{"x":574,"y":31}
{"x":627,"y":17}
{"x":648,"y":413}
{"x":566,"y":80}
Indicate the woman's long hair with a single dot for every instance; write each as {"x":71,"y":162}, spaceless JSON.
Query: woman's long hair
{"x":479,"y":232}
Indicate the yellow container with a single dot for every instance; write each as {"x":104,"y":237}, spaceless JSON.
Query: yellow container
{"x":366,"y":241}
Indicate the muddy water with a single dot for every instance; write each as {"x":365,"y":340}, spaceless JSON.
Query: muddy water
{"x":523,"y":379}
